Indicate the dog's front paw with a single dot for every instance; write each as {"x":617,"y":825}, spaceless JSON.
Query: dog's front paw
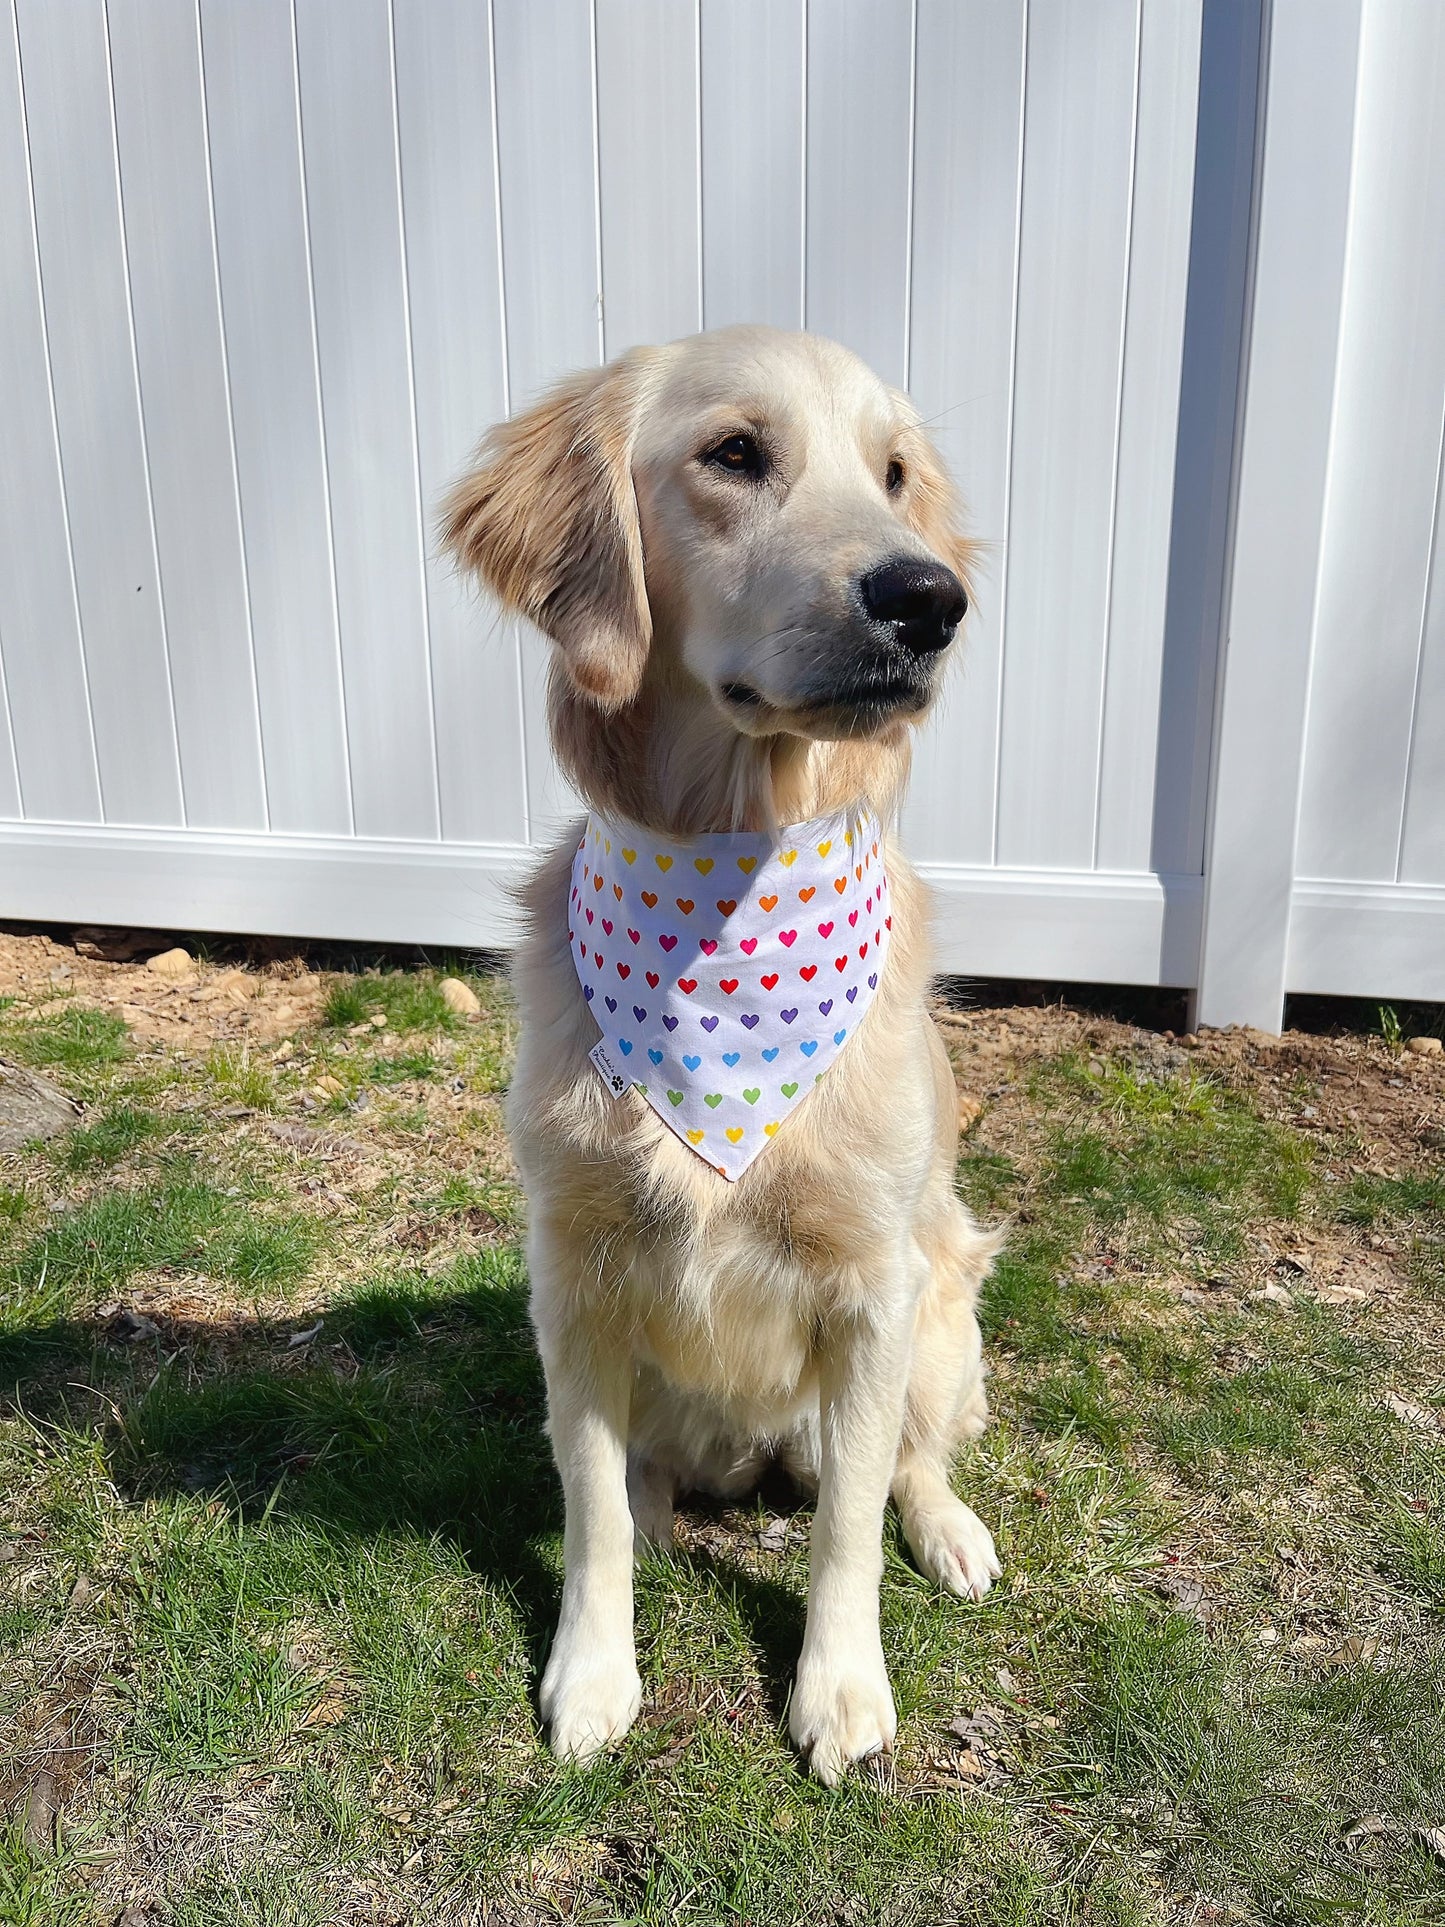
{"x":953,"y":1547}
{"x":842,"y":1711}
{"x":589,"y":1698}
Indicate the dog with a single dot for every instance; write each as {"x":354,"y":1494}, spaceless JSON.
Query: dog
{"x":745,"y":553}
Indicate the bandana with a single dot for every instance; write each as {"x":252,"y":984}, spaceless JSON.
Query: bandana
{"x":727,"y":972}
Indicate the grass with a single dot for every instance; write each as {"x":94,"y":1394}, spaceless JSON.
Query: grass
{"x":280,"y":1534}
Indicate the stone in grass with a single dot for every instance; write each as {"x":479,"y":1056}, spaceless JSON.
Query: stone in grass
{"x":172,"y":964}
{"x":30,"y":1108}
{"x":1426,"y":1046}
{"x":459,"y":998}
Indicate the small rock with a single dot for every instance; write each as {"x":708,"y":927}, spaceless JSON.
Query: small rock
{"x":969,"y":1111}
{"x":459,"y":997}
{"x":31,"y":1108}
{"x":172,"y":964}
{"x":330,"y":1086}
{"x":1274,"y":1295}
{"x":1426,"y":1046}
{"x":284,"y":1050}
{"x":377,"y":1018}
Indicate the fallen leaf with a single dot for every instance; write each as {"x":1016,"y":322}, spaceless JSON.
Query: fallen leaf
{"x":304,"y":1338}
{"x":1354,"y":1651}
{"x":1432,"y":1839}
{"x":1411,"y":1413}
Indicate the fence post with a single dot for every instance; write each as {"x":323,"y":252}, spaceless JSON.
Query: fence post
{"x":1292,"y":332}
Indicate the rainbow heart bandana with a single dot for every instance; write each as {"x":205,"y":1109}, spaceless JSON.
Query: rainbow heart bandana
{"x":726,"y":972}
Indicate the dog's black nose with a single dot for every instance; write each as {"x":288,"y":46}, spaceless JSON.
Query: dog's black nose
{"x":924,"y":599}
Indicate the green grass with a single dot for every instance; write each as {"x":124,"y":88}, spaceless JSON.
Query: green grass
{"x":302,"y":1592}
{"x":74,"y":1039}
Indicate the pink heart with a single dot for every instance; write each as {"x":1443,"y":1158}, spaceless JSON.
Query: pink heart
{"x":707,"y":946}
{"x":789,"y":937}
{"x":607,"y":926}
{"x":825,"y":929}
{"x":852,"y":916}
{"x":749,"y":945}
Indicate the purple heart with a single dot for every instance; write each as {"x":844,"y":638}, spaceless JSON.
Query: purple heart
{"x":752,"y":1020}
{"x":787,"y":1015}
{"x":826,"y":1006}
{"x":671,"y":1022}
{"x":639,"y":1013}
{"x":709,"y":1023}
{"x":873,"y":981}
{"x":587,"y":992}
{"x":611,"y":1002}
{"x":852,"y":993}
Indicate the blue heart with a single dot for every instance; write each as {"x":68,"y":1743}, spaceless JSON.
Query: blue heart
{"x":656,"y":1056}
{"x":709,"y":1023}
{"x":731,"y":1057}
{"x":671,"y":1022}
{"x":769,"y":1055}
{"x":611,"y":1003}
{"x":692,"y":1062}
{"x":808,"y":1048}
{"x":624,"y":1044}
{"x":839,"y":1035}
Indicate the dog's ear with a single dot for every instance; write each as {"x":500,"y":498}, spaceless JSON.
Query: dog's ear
{"x":933,"y":508}
{"x":547,"y":519}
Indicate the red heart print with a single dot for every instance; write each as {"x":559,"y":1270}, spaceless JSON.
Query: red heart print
{"x":598,"y":955}
{"x":591,"y":916}
{"x":808,"y":973}
{"x":726,"y":906}
{"x":687,"y":984}
{"x":729,"y":984}
{"x":653,"y":978}
{"x":863,"y":950}
{"x":770,"y":982}
{"x":840,"y":963}
{"x":624,"y":970}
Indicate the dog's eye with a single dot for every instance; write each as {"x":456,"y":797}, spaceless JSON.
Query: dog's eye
{"x":739,"y":455}
{"x":894,"y":479}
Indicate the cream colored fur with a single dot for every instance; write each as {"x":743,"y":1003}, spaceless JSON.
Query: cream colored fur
{"x":820,"y":1311}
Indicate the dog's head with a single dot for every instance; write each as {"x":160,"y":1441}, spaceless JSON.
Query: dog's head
{"x":751,"y":512}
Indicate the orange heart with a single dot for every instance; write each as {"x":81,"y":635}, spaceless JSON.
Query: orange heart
{"x":649,"y":897}
{"x":727,"y":905}
{"x":768,"y":903}
{"x":840,"y":884}
{"x":685,"y":905}
{"x":617,"y":891}
{"x":808,"y":894}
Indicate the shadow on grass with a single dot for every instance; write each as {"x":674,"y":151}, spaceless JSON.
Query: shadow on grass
{"x":417,"y":1406}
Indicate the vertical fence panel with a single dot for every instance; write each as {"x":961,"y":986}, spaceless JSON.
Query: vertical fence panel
{"x":1379,"y":526}
{"x":752,"y":161}
{"x":1072,"y":272}
{"x":860,"y":114}
{"x":1422,"y":839}
{"x":965,"y":257}
{"x":1158,"y":275}
{"x":260,"y":211}
{"x":161,"y":140}
{"x":348,"y":119}
{"x":53,"y":770}
{"x":647,"y":131}
{"x":65,"y":61}
{"x":449,"y":192}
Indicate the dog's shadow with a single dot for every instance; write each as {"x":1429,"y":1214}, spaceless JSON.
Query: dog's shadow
{"x":405,"y":1412}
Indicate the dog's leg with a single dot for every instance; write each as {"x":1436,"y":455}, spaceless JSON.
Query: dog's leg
{"x":651,"y":1489}
{"x":590,"y":1690}
{"x":842,"y":1706}
{"x":945,"y":1405}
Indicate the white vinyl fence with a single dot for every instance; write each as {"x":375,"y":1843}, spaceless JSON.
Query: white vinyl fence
{"x":1166,"y":275}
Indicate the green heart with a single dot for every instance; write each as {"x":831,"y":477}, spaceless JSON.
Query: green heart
{"x":752,"y":1096}
{"x":713,"y":1099}
{"x":674,"y":1097}
{"x":790,"y":1090}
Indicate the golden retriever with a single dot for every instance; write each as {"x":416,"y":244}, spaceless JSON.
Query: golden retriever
{"x":743,"y":548}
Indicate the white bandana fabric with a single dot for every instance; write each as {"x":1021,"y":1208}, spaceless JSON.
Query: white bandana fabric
{"x":726,"y":972}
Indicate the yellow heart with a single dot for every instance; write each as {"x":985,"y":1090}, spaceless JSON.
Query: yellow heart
{"x":663,"y":862}
{"x":735,"y":1135}
{"x":607,"y":844}
{"x":747,"y":864}
{"x":770,"y":1128}
{"x":823,"y":848}
{"x":702,"y":864}
{"x":848,"y":838}
{"x":789,"y":858}
{"x":630,"y":856}
{"x":694,"y":1137}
